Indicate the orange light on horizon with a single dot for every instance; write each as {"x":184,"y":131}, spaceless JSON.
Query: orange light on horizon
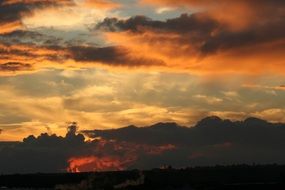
{"x":95,"y":163}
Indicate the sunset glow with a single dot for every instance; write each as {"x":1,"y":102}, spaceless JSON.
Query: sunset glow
{"x":109,"y":64}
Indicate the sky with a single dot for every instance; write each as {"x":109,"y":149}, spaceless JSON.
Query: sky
{"x":107,"y":64}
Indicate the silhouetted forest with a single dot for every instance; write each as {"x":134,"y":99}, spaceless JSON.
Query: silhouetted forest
{"x":218,"y":177}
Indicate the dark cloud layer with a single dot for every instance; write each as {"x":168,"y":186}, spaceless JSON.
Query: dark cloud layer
{"x":112,"y":55}
{"x":35,"y":55}
{"x":209,"y":131}
{"x":202,"y":31}
{"x":46,"y":153}
{"x":212,"y":141}
{"x":184,"y":23}
{"x":14,"y":66}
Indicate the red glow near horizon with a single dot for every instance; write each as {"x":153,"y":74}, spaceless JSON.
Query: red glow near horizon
{"x":94,"y":163}
{"x":129,"y":154}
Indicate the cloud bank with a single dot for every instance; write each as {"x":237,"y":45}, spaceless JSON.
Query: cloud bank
{"x":211,"y":141}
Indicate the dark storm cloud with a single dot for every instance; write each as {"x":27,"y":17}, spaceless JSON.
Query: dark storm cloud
{"x":51,"y":153}
{"x":212,"y":141}
{"x":209,"y":131}
{"x":44,"y":153}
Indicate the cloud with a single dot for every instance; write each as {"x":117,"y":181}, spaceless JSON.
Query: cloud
{"x":29,"y":37}
{"x":18,"y":57}
{"x":205,"y":33}
{"x":26,"y":57}
{"x":14,"y":66}
{"x":274,"y":114}
{"x":101,"y":4}
{"x":210,"y":40}
{"x":211,"y":141}
{"x":113,"y":55}
{"x":51,"y":153}
{"x":10,"y":27}
{"x":32,"y":150}
{"x":262,"y":87}
{"x":204,"y":42}
{"x":196,"y":23}
{"x":12,"y":11}
{"x":218,"y":131}
{"x":207,"y":41}
{"x":243,"y":12}
{"x":209,"y":100}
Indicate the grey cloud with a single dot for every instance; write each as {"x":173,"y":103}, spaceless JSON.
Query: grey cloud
{"x":112,"y":55}
{"x":29,"y":37}
{"x":198,"y":24}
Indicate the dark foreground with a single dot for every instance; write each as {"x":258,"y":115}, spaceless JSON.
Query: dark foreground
{"x":243,"y":177}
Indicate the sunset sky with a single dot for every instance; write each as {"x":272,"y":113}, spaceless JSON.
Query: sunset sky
{"x":109,"y":64}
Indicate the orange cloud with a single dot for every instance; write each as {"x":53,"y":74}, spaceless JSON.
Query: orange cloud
{"x":178,"y":53}
{"x":240,"y":39}
{"x":10,"y":26}
{"x":21,"y":58}
{"x":203,"y":43}
{"x":156,"y":50}
{"x":101,"y":4}
{"x":18,"y":58}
